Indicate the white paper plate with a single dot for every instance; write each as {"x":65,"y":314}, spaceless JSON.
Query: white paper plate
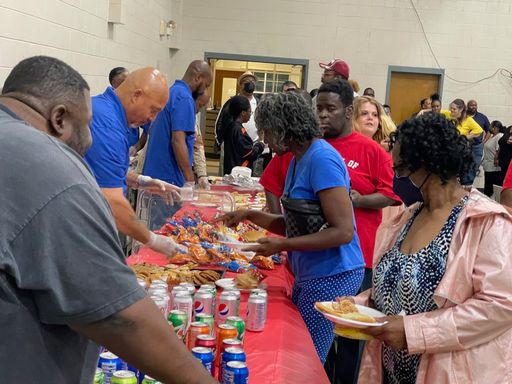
{"x":353,"y":323}
{"x":237,"y":245}
{"x":229,"y":282}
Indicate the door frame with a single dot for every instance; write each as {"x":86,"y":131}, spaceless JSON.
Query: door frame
{"x":263,"y":59}
{"x":419,"y":70}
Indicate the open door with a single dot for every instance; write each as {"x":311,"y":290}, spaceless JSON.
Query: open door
{"x":407,"y":87}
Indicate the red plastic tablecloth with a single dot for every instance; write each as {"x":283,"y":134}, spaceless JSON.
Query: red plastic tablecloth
{"x":284,"y":351}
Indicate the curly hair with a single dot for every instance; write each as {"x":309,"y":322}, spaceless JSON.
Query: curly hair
{"x":433,"y":142}
{"x":285,"y":117}
{"x":386,"y":124}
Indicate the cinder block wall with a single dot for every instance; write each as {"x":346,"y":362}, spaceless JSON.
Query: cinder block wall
{"x":471,"y":38}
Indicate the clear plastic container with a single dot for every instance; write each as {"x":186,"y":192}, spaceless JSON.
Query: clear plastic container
{"x":154,"y":211}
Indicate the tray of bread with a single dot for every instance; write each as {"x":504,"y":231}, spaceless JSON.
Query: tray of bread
{"x":175,"y":274}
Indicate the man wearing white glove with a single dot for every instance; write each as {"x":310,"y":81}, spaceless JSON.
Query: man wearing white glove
{"x":133,"y":103}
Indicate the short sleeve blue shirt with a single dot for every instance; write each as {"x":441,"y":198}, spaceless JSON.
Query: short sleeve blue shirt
{"x":177,"y":115}
{"x":321,"y":168}
{"x":108,"y":156}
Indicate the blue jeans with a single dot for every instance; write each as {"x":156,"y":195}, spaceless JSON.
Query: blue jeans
{"x":477,"y":151}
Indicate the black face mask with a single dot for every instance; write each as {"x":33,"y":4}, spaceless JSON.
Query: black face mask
{"x":249,"y":87}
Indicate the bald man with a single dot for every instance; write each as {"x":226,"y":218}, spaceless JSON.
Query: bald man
{"x":170,"y":147}
{"x":133,"y":103}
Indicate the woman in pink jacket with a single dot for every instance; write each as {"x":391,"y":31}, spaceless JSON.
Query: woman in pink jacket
{"x":442,"y":270}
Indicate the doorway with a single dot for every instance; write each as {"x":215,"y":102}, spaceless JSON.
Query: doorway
{"x":270,"y":73}
{"x":406,"y":88}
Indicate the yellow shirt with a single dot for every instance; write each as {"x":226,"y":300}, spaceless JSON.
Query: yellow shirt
{"x":469,"y":125}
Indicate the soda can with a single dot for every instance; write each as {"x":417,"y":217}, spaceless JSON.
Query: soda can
{"x":235,"y":291}
{"x":178,"y":319}
{"x":256,"y":313}
{"x":184,"y":302}
{"x":196,"y":329}
{"x":227,"y":306}
{"x":99,"y":377}
{"x":207,"y":319}
{"x":177,"y":289}
{"x":259,"y":292}
{"x":236,"y":372}
{"x":162,"y":302}
{"x":239,"y":324}
{"x":231,"y":354}
{"x":207,"y":341}
{"x":209,"y":287}
{"x":159,"y":282}
{"x":190,"y":288}
{"x":158,"y":285}
{"x":123,"y":377}
{"x":224,"y":331}
{"x":203,"y":302}
{"x":138,"y":374}
{"x":109,"y":363}
{"x":157,"y":291}
{"x":149,"y":380}
{"x":142,"y":283}
{"x":205,"y":356}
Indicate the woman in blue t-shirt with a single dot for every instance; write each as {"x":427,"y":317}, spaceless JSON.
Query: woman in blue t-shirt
{"x":318,"y":221}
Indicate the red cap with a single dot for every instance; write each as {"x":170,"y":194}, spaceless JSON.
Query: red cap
{"x":337,"y":65}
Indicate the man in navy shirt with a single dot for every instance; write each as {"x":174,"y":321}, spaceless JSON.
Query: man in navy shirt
{"x":170,"y":147}
{"x":481,"y":119}
{"x":133,"y":103}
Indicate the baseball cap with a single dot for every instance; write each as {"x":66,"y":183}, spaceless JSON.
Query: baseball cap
{"x":337,"y":65}
{"x":246,"y":74}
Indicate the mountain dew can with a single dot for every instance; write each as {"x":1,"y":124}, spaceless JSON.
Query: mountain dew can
{"x":123,"y":377}
{"x":149,"y":380}
{"x":179,"y":320}
{"x":206,"y":319}
{"x":239,"y":324}
{"x":99,"y":377}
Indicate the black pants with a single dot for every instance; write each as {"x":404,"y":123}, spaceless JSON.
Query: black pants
{"x":342,"y":364}
{"x":490,"y":179}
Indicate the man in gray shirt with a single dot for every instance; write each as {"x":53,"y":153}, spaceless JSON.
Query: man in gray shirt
{"x":64,"y":284}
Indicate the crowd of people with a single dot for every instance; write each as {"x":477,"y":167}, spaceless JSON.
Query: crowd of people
{"x":383,"y":215}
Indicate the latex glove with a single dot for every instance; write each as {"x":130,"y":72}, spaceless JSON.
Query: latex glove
{"x":164,"y":244}
{"x":169,"y":192}
{"x":203,"y":183}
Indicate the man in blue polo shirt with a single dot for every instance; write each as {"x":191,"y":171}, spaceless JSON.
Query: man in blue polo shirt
{"x":133,"y":103}
{"x":170,"y":147}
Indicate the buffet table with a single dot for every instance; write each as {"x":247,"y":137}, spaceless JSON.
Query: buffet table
{"x":283,"y":352}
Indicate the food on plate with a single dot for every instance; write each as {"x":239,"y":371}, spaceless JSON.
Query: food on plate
{"x":253,"y":236}
{"x":247,"y":280}
{"x":263,"y":262}
{"x":175,"y":274}
{"x":346,"y":309}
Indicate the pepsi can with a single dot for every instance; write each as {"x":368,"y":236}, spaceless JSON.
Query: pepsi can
{"x":203,"y":302}
{"x":205,"y":356}
{"x":189,"y":287}
{"x":227,"y":307}
{"x":109,"y":363}
{"x":236,"y":372}
{"x":235,"y":291}
{"x":231,"y":354}
{"x":256,"y":313}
